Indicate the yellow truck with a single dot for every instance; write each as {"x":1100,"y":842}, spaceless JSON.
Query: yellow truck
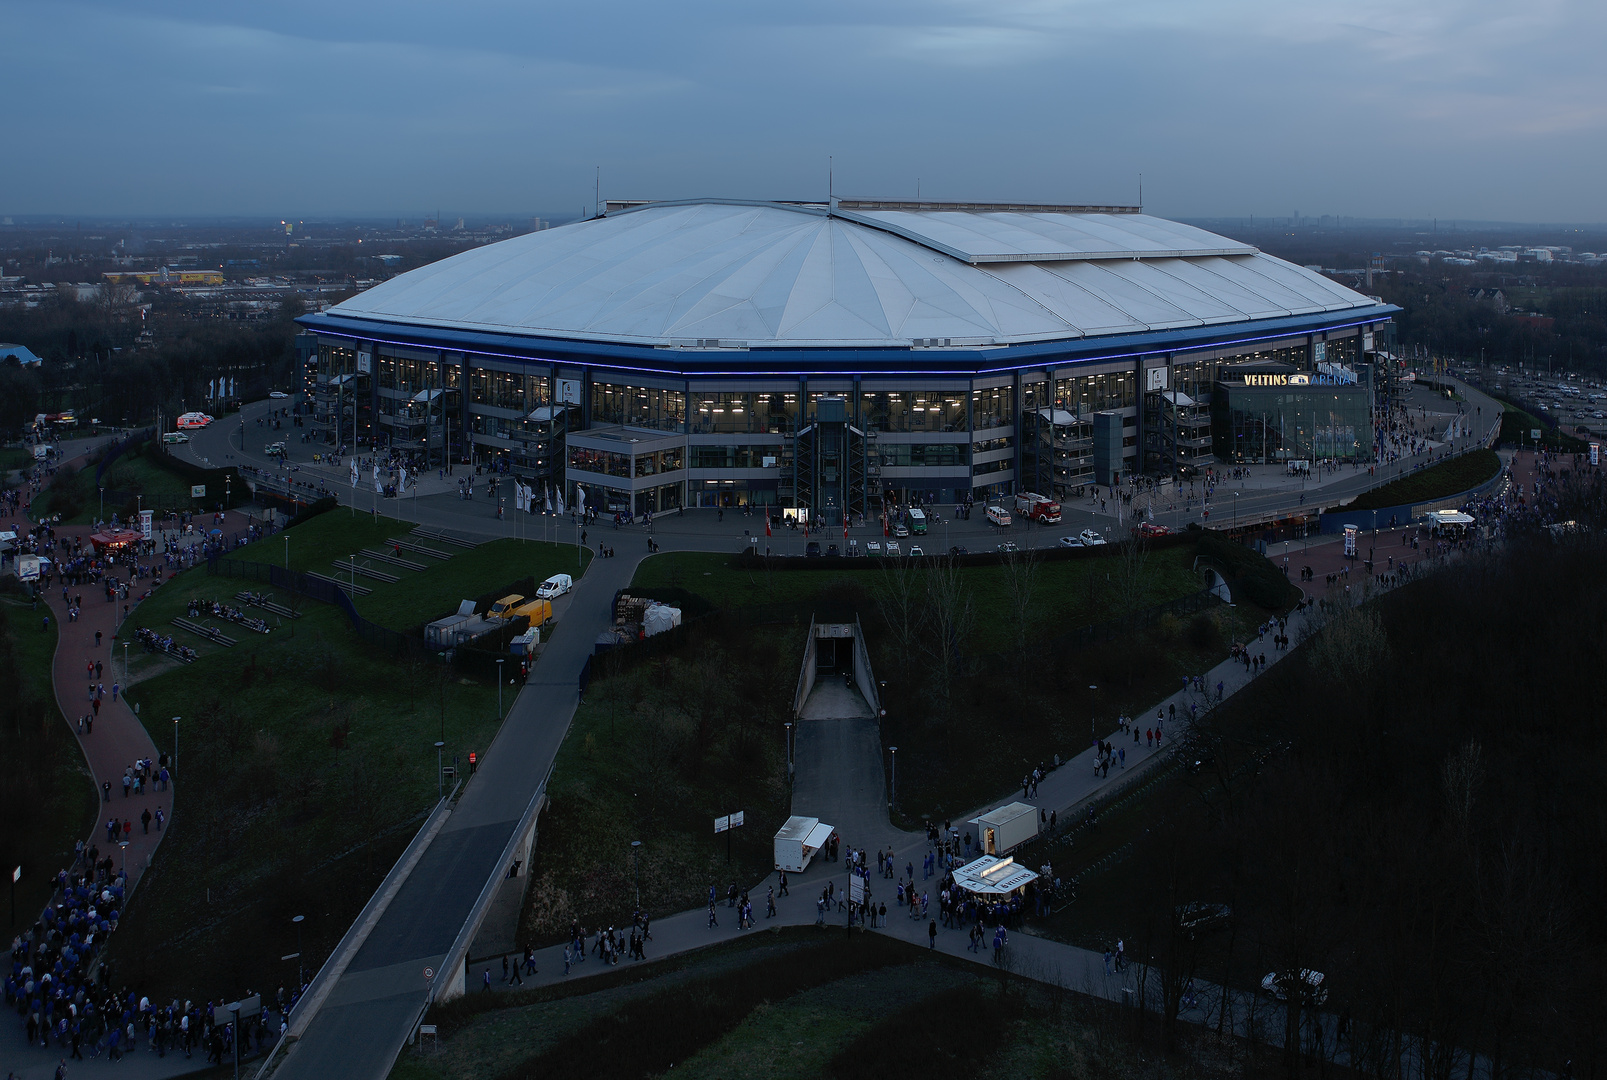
{"x":503,"y":609}
{"x":539,"y":612}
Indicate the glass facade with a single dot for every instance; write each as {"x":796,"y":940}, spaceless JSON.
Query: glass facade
{"x":1290,"y":423}
{"x":1083,"y":395}
{"x":914,"y":410}
{"x":792,"y":441}
{"x":747,"y":413}
{"x":638,"y":406}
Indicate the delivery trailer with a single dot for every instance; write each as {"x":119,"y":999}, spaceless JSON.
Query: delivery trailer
{"x":798,"y":840}
{"x":1005,"y":828}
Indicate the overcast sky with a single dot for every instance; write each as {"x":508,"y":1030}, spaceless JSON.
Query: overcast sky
{"x":1461,"y":110}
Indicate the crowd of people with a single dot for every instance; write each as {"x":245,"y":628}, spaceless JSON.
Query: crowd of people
{"x":228,"y":613}
{"x":67,"y":996}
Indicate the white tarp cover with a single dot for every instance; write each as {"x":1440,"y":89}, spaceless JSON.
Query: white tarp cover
{"x":751,"y":273}
{"x":991,"y":876}
{"x":659,"y":618}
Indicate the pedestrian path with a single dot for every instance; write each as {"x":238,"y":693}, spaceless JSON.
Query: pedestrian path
{"x":118,"y":738}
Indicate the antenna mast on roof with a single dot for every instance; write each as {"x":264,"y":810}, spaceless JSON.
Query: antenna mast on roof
{"x":831,"y":192}
{"x":1140,"y":192}
{"x":597,"y":195}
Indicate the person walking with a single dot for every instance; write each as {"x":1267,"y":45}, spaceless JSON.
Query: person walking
{"x":931,"y":934}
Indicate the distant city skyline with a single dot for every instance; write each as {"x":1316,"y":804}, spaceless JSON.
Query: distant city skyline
{"x":1471,"y":111}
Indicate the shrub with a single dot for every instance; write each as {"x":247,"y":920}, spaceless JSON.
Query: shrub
{"x":1205,"y":631}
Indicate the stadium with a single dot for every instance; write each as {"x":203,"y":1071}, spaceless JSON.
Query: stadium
{"x":828,"y":358}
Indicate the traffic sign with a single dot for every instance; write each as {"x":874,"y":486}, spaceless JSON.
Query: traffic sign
{"x":721,"y":824}
{"x":429,"y":973}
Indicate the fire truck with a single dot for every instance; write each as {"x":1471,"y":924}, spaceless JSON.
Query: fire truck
{"x":1037,"y":508}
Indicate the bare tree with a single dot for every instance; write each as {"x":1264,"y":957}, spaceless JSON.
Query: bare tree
{"x":897,"y":593}
{"x":1132,"y":559}
{"x":1021,"y":578}
{"x":951,"y":615}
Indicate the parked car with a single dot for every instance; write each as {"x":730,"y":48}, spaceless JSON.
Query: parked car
{"x":1308,"y":984}
{"x":556,"y":585}
{"x":1008,"y":546}
{"x":1090,"y":538}
{"x":915,"y":550}
{"x":894,"y":549}
{"x":831,"y":550}
{"x":901,"y":530}
{"x":873,"y":548}
{"x":957,"y":550}
{"x":812,"y":549}
{"x":277,"y":394}
{"x":1200,"y":918}
{"x":1071,"y":542}
{"x":1150,"y":528}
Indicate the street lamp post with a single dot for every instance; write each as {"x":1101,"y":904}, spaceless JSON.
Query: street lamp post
{"x":1235,"y":511}
{"x":894,"y":794}
{"x":787,"y":743}
{"x":299,"y":973}
{"x":125,"y":662}
{"x":440,"y":771}
{"x":1093,"y":733}
{"x":174,"y":770}
{"x":123,"y":855}
{"x":636,"y":871}
{"x":499,"y":689}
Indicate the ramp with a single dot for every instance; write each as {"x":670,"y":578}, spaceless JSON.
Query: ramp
{"x":836,"y":664}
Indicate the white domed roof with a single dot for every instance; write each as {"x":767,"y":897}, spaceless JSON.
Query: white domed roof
{"x":862,"y":275}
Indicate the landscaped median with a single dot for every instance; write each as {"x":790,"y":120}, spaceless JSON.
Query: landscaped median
{"x":1448,"y":478}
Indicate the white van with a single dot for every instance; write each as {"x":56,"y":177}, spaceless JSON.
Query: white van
{"x":554,"y":586}
{"x":999,"y":516}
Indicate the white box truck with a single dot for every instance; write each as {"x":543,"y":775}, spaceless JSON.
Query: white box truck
{"x":798,"y":840}
{"x":1005,"y":828}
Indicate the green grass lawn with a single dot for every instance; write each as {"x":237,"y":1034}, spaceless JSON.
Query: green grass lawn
{"x":1069,"y":594}
{"x":419,"y":596}
{"x":655,"y":754}
{"x":1435,"y":482}
{"x":1008,"y":712}
{"x":15,"y":457}
{"x":797,"y":1004}
{"x":49,"y":800}
{"x":317,"y":756}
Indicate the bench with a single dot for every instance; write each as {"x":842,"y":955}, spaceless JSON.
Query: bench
{"x":267,"y":605}
{"x":342,"y":583}
{"x":408,"y":545}
{"x":349,"y":567}
{"x":203,"y":631}
{"x":392,"y":560}
{"x":445,"y":538}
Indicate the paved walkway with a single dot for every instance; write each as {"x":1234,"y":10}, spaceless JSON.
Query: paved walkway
{"x":118,"y":738}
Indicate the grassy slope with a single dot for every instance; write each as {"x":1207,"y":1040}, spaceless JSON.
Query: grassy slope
{"x":66,"y":798}
{"x":1070,"y":594}
{"x":1000,"y":727}
{"x":318,"y":757}
{"x":1435,"y":482}
{"x":655,"y":754}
